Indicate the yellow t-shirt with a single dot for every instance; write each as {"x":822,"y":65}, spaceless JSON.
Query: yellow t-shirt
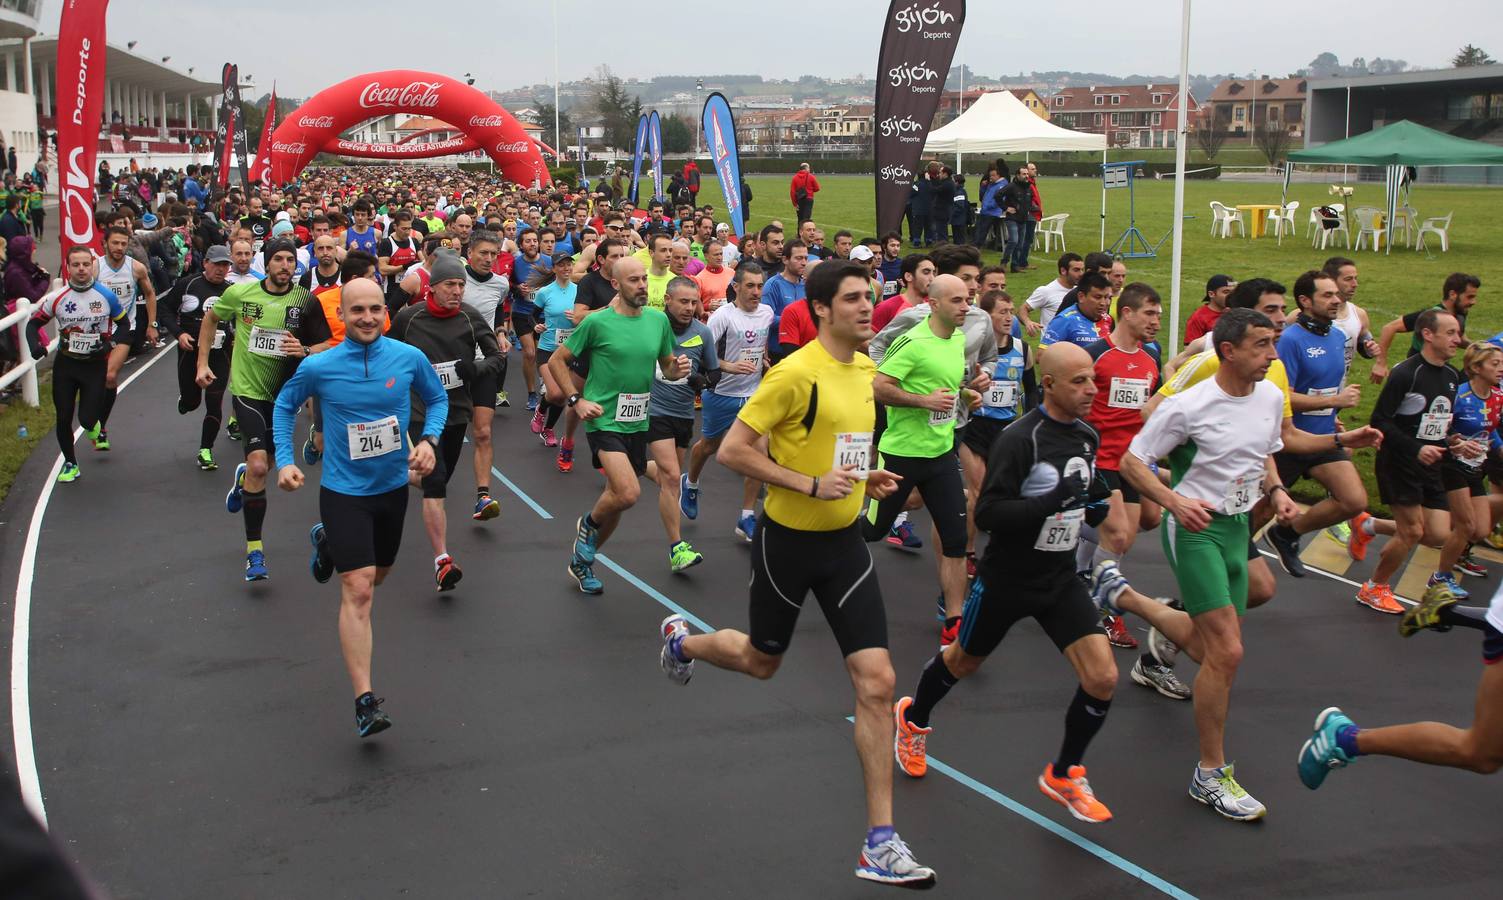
{"x":1205,"y":364}
{"x":843,"y":416}
{"x":657,"y":288}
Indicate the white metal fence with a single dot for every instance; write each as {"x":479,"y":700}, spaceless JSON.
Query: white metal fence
{"x":26,"y":371}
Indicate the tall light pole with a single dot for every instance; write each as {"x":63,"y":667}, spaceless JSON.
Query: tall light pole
{"x":1182,"y":127}
{"x":699,"y":89}
{"x":558,"y":131}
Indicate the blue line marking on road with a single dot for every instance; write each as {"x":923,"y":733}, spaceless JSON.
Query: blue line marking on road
{"x":652,"y":592}
{"x":511,"y":486}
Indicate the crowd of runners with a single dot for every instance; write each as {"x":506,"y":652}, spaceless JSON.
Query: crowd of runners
{"x":849,"y":385}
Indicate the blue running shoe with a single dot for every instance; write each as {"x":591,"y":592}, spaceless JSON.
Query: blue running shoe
{"x":255,"y":566}
{"x":902,"y":537}
{"x":1322,"y":752}
{"x":369,"y":719}
{"x":486,"y":508}
{"x":584,"y":573}
{"x":321,"y":564}
{"x":311,"y":453}
{"x":1452,"y":585}
{"x":585,"y":537}
{"x":746,"y":527}
{"x":688,"y":498}
{"x":234,"y":501}
{"x":532,"y":402}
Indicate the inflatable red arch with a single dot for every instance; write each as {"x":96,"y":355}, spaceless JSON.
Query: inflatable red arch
{"x":316,"y":124}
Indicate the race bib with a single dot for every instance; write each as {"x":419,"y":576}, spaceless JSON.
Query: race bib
{"x":631,"y":408}
{"x":1128,"y":393}
{"x":83,"y":344}
{"x":1433,"y":426}
{"x":664,"y":379}
{"x":1060,"y":532}
{"x":1323,"y":392}
{"x":942,"y":418}
{"x":448,"y":376}
{"x":267,"y":341}
{"x":378,"y":438}
{"x":1001,"y":395}
{"x":1473,"y":461}
{"x":218,"y":340}
{"x":1242,"y":492}
{"x":854,"y":448}
{"x":562,"y":334}
{"x":755,"y":354}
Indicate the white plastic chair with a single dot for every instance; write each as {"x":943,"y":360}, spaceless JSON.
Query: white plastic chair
{"x":1367,"y":227}
{"x":1051,"y":228}
{"x":1279,"y":219}
{"x":1440,"y":226}
{"x":1223,"y":218}
{"x":1323,"y":237}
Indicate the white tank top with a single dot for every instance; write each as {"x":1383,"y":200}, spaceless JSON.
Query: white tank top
{"x":122,"y":280}
{"x":1351,"y":326}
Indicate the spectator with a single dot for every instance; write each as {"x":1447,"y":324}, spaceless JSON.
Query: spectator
{"x":1218,"y":289}
{"x":801,"y":191}
{"x":1034,"y":217}
{"x":746,"y":199}
{"x":12,"y":225}
{"x":1017,"y":210}
{"x":10,"y":161}
{"x":989,"y":229}
{"x":942,"y":199}
{"x":23,"y":279}
{"x":960,"y":210}
{"x":691,"y":178}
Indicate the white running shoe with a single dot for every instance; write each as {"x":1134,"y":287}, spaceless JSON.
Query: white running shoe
{"x":891,"y":862}
{"x":1218,"y":789}
{"x":677,"y":672}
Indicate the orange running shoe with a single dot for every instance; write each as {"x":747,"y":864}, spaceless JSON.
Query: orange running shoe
{"x":1075,"y":794}
{"x":1357,"y":541}
{"x":1379,"y":597}
{"x":908,"y":741}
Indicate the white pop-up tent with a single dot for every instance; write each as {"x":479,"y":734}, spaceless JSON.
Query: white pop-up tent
{"x":999,"y":123}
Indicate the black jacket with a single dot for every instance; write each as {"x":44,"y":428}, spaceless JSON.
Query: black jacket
{"x":449,"y":339}
{"x":1017,"y":196}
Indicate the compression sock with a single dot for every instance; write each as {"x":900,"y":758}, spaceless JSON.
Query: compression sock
{"x":255,"y":514}
{"x":934,"y":683}
{"x":1464,"y":616}
{"x":1084,"y":718}
{"x":552,"y":417}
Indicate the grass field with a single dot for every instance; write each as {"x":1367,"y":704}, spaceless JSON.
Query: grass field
{"x":1391,"y":284}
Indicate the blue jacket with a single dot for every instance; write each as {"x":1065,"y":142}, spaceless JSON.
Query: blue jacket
{"x":358,"y":384}
{"x":989,"y":199}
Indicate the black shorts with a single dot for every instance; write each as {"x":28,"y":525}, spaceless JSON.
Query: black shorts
{"x":254,"y":417}
{"x":1294,"y":466}
{"x":1404,"y":483}
{"x":363,"y":531}
{"x":1062,"y":608}
{"x":483,"y":391}
{"x":446,"y":460}
{"x":1492,"y":644}
{"x":524,"y":323}
{"x":787,"y":564}
{"x":981,"y":432}
{"x":1456,"y":477}
{"x":1116,"y":482}
{"x":634,"y":445}
{"x":674,"y":428}
{"x":938,"y":481}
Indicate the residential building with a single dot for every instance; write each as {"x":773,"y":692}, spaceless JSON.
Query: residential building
{"x":1130,"y":115}
{"x":1467,"y":102}
{"x":950,"y":101}
{"x":1239,"y":105}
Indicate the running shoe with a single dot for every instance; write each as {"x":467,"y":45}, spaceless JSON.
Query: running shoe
{"x":902,"y":537}
{"x":1358,"y":539}
{"x":1107,"y":584}
{"x":69,"y":473}
{"x":746,"y":526}
{"x":688,"y":498}
{"x":1379,"y":597}
{"x":532,"y":401}
{"x":1161,"y":679}
{"x":585,"y":538}
{"x":1341,"y":533}
{"x":206,"y":461}
{"x":1468,"y":565}
{"x":678,"y":672}
{"x":1449,"y":582}
{"x":1074,"y":793}
{"x":566,"y":456}
{"x":1117,"y":633}
{"x":683,"y":556}
{"x":101,"y":439}
{"x":321,"y":563}
{"x":549,"y":438}
{"x":369,"y":719}
{"x":1322,"y":752}
{"x":234,"y":501}
{"x":970,"y":564}
{"x":949,"y":633}
{"x":1426,"y":613}
{"x":255,"y":566}
{"x":502,"y":399}
{"x":311,"y":453}
{"x":538,"y":420}
{"x":909,"y":741}
{"x":940,"y":613}
{"x":1162,"y":649}
{"x":446,"y":573}
{"x":1218,"y":789}
{"x":1286,"y":548}
{"x":1495,"y":537}
{"x":584,"y":574}
{"x":232,"y":430}
{"x":486,"y":508}
{"x":891,"y":862}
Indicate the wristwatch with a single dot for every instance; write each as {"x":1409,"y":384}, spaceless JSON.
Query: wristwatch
{"x":430,"y":440}
{"x":156,"y":325}
{"x":573,"y":399}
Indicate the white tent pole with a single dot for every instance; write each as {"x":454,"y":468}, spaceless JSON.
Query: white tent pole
{"x":1103,"y":198}
{"x":1176,"y":265}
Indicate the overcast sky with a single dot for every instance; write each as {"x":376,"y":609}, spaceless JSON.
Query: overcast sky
{"x":307,"y":46}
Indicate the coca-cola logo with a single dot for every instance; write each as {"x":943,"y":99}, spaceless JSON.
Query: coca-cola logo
{"x":485,"y":121}
{"x":512,"y":147}
{"x":918,"y":16}
{"x":316,"y":122}
{"x":906,"y":127}
{"x":916,"y":76}
{"x":297,"y":148}
{"x":417,"y":95}
{"x":899,"y":174}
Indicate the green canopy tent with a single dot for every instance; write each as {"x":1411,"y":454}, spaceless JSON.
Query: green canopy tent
{"x":1394,"y":147}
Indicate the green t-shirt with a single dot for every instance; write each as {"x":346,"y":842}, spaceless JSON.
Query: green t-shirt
{"x":622,"y":353}
{"x":922,"y":363}
{"x":34,"y":200}
{"x":257,"y":368}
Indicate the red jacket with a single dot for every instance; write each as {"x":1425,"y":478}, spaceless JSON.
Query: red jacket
{"x":1038,"y":205}
{"x":807,"y":181}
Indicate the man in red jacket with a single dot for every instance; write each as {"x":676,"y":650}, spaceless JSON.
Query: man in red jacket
{"x":801,"y":191}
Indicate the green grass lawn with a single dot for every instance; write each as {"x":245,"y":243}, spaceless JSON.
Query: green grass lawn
{"x":38,"y":422}
{"x":1391,"y":284}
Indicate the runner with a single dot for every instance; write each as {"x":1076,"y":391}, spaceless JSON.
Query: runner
{"x":324,"y":274}
{"x":1047,"y":297}
{"x":670,"y":411}
{"x":741,"y":332}
{"x":88,"y":363}
{"x":1086,"y":321}
{"x":1041,"y":484}
{"x":595,"y":293}
{"x":131,"y":282}
{"x":1355,"y":326}
{"x":915,"y":272}
{"x":1218,"y":289}
{"x":183,"y":309}
{"x":1458,"y":296}
{"x":620,"y":346}
{"x":485,"y":291}
{"x":364,"y":387}
{"x":808,"y":540}
{"x":267,"y":316}
{"x":524,"y":315}
{"x":1474,"y":427}
{"x":1219,"y":437}
{"x":553,"y":299}
{"x":395,"y":254}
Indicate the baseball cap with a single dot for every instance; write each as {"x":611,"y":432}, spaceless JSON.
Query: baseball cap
{"x":218,"y":253}
{"x":861,"y":253}
{"x":1218,"y":282}
{"x":283,"y":216}
{"x":562,"y":256}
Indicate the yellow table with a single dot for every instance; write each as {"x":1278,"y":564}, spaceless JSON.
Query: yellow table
{"x":1259,"y":216}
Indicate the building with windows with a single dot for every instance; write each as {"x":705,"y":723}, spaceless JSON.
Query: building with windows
{"x":1130,"y":115}
{"x":1240,"y":105}
{"x":1466,"y":102}
{"x":950,"y":103}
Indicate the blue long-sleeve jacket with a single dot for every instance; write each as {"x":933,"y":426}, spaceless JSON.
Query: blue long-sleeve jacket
{"x":365,"y":393}
{"x":989,"y":199}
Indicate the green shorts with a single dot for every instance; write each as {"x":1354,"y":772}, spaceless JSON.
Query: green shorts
{"x":1210,"y":565}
